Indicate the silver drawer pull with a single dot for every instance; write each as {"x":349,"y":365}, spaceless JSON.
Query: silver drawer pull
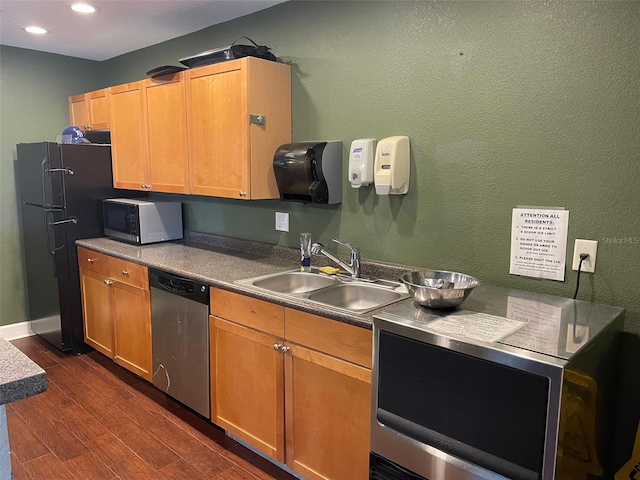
{"x":285,"y":349}
{"x":276,"y":346}
{"x":91,"y":260}
{"x":107,"y":281}
{"x":125,"y":273}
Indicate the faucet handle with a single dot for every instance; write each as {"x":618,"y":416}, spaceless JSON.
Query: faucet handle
{"x":353,"y":248}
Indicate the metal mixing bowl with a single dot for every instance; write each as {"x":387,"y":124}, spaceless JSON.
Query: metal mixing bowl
{"x":438,"y":288}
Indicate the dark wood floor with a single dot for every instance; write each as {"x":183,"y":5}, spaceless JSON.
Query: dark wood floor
{"x":98,"y":421}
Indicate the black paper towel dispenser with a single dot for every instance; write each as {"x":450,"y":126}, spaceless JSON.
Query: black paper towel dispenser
{"x":309,"y":172}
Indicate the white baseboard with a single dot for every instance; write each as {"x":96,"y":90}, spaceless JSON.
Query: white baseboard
{"x":16,"y":330}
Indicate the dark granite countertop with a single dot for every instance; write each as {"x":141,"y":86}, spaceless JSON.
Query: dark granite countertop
{"x":20,"y":377}
{"x":220,"y":261}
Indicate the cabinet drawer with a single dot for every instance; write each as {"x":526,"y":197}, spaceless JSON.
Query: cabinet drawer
{"x":251,"y":312}
{"x":335,"y":338}
{"x":91,"y":260}
{"x":128,"y":272}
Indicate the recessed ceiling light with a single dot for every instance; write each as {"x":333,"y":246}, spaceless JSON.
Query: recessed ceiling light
{"x":83,"y":8}
{"x":35,"y":30}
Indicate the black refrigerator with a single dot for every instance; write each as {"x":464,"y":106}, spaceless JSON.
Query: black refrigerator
{"x":60,"y":192}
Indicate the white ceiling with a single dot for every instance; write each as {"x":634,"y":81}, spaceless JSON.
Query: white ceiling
{"x":120,"y":27}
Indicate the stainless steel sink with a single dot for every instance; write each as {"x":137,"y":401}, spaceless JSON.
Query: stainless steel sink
{"x":344,"y":293}
{"x":356,"y":297}
{"x":295,"y":282}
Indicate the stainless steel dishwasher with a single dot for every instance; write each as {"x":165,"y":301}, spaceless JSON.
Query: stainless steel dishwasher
{"x":180,"y":339}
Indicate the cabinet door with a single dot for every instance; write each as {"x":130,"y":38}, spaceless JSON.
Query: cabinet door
{"x":165,"y":117}
{"x":247,"y":383}
{"x":79,"y":111}
{"x":217,"y":126}
{"x":128,"y":149}
{"x":96,"y":311}
{"x":269,"y":95}
{"x":327,"y":415}
{"x":132,"y":329}
{"x":99,"y":109}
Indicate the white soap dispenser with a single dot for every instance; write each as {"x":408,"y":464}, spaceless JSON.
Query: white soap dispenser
{"x":392,"y":165}
{"x":361,"y":156}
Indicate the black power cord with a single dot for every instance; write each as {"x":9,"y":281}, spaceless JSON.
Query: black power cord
{"x":583,"y":257}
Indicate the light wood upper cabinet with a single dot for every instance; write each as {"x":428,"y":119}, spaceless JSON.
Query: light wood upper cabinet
{"x":166,"y":136}
{"x":148,"y":135}
{"x":90,"y":111}
{"x":117,"y":310}
{"x":229,"y":156}
{"x":210,"y":130}
{"x":128,"y":146}
{"x":79,"y":111}
{"x":99,"y":109}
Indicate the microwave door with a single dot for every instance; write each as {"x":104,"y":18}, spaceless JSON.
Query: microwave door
{"x":121,"y":221}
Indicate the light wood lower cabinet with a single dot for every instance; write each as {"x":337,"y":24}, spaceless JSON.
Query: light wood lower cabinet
{"x":96,"y":302}
{"x":301,"y":396}
{"x":117,"y":310}
{"x":132,"y":329}
{"x":328,"y":414}
{"x":249,"y":386}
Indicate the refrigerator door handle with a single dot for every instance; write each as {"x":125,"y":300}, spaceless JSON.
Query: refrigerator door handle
{"x":60,"y":222}
{"x":47,"y":225}
{"x":43,"y":172}
{"x":66,"y":171}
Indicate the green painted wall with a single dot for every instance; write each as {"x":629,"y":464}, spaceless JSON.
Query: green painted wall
{"x":34,"y":90}
{"x":506,"y":104}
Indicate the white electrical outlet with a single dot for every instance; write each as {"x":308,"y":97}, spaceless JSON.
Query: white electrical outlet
{"x":282,"y":221}
{"x":585,"y":246}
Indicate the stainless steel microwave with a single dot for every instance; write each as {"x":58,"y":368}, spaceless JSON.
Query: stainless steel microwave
{"x":451,"y":403}
{"x":142,"y":221}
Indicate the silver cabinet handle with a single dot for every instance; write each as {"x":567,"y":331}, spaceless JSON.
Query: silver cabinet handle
{"x":107,"y":281}
{"x":276,"y":346}
{"x":125,"y":273}
{"x":243,"y":193}
{"x":91,"y":260}
{"x":285,"y":349}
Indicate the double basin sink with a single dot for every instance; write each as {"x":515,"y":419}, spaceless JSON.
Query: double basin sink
{"x":344,"y":293}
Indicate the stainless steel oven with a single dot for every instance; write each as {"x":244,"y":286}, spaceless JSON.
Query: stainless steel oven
{"x":451,"y":400}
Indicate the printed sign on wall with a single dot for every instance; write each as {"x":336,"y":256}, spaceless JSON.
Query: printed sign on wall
{"x":539,"y":242}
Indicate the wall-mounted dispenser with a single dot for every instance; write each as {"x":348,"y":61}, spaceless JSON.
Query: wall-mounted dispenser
{"x":392,"y":166}
{"x":361,"y":156}
{"x":309,"y":172}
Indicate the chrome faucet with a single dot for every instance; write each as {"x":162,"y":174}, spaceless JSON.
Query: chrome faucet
{"x":353,"y":267}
